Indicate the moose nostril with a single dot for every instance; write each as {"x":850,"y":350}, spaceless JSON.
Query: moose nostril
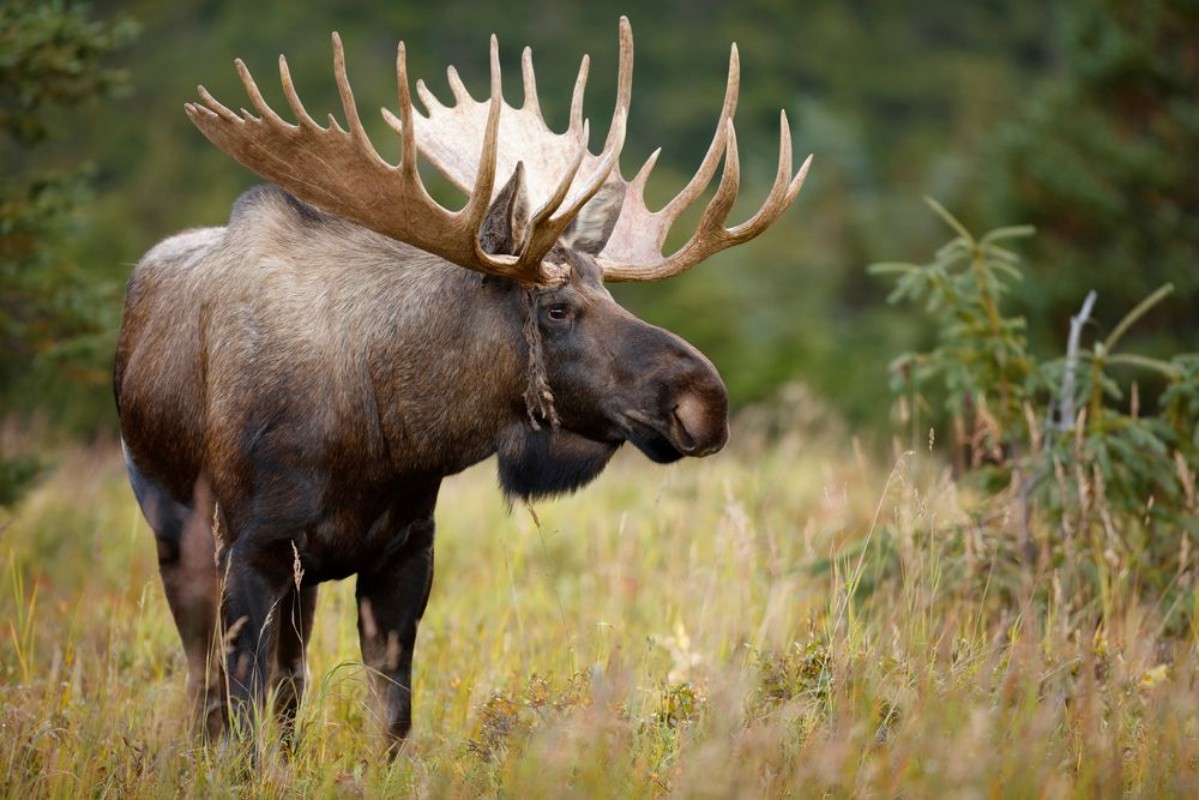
{"x":685,"y":441}
{"x":699,"y":429}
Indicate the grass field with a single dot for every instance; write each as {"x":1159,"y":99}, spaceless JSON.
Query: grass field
{"x":784,"y":619}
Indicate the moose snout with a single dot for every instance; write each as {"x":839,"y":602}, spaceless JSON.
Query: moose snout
{"x":678,"y":406}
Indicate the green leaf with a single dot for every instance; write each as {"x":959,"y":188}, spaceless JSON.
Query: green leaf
{"x":1009,"y":232}
{"x":950,"y":220}
{"x":1132,"y":316}
{"x":1144,"y":362}
{"x":1007,"y":269}
{"x":892,"y":267}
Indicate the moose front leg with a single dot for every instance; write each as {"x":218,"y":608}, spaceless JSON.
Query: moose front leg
{"x":391,"y":602}
{"x":288,"y":673}
{"x":256,"y":580}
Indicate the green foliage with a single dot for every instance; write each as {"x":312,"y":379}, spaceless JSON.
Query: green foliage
{"x":979,"y":349}
{"x":52,"y":55}
{"x":1066,"y":438}
{"x":800,"y":672}
{"x":505,"y":720}
{"x":55,"y":320}
{"x":1103,"y":161}
{"x":17,"y":474}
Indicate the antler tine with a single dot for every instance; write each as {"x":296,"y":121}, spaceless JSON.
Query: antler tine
{"x":427,"y":98}
{"x":783,"y":191}
{"x":404,"y":126}
{"x":247,"y":81}
{"x":576,"y":97}
{"x":642,"y":177}
{"x":457,"y":88}
{"x":353,"y":121}
{"x":214,"y":107}
{"x":718,"y":208}
{"x":480,"y":197}
{"x":624,"y":91}
{"x":782,"y":181}
{"x":529,"y":79}
{"x":609,"y":157}
{"x":707,"y":168}
{"x":293,"y":99}
{"x":800,"y":178}
{"x":564,"y":217}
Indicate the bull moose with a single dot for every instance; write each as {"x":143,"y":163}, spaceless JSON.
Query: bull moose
{"x":294,"y":386}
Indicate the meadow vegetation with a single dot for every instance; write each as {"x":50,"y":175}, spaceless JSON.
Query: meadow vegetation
{"x":793,"y":617}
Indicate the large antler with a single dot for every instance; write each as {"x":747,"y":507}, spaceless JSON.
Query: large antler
{"x":340,"y":171}
{"x":633,"y":252}
{"x":562,"y":174}
{"x":470,"y":142}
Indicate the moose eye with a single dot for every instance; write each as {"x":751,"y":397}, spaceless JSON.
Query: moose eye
{"x":557,"y":312}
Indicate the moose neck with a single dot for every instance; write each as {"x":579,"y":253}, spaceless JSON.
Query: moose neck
{"x":450,"y":371}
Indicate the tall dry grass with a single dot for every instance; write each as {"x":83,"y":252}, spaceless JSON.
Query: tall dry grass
{"x":788,"y":619}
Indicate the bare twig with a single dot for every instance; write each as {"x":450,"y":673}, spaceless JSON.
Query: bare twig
{"x":1066,"y":402}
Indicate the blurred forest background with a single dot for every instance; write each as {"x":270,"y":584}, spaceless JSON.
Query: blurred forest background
{"x":1079,"y":118}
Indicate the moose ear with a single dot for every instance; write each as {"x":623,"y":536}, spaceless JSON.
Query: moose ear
{"x":507,"y":221}
{"x":590,"y":230}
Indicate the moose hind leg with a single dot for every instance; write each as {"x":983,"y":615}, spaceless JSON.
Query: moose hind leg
{"x":391,"y":602}
{"x":186,"y":552}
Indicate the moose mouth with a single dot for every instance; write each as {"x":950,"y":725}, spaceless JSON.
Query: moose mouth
{"x":657,"y":448}
{"x":663,"y":442}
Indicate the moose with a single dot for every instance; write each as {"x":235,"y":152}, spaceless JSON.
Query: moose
{"x":293,"y":387}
